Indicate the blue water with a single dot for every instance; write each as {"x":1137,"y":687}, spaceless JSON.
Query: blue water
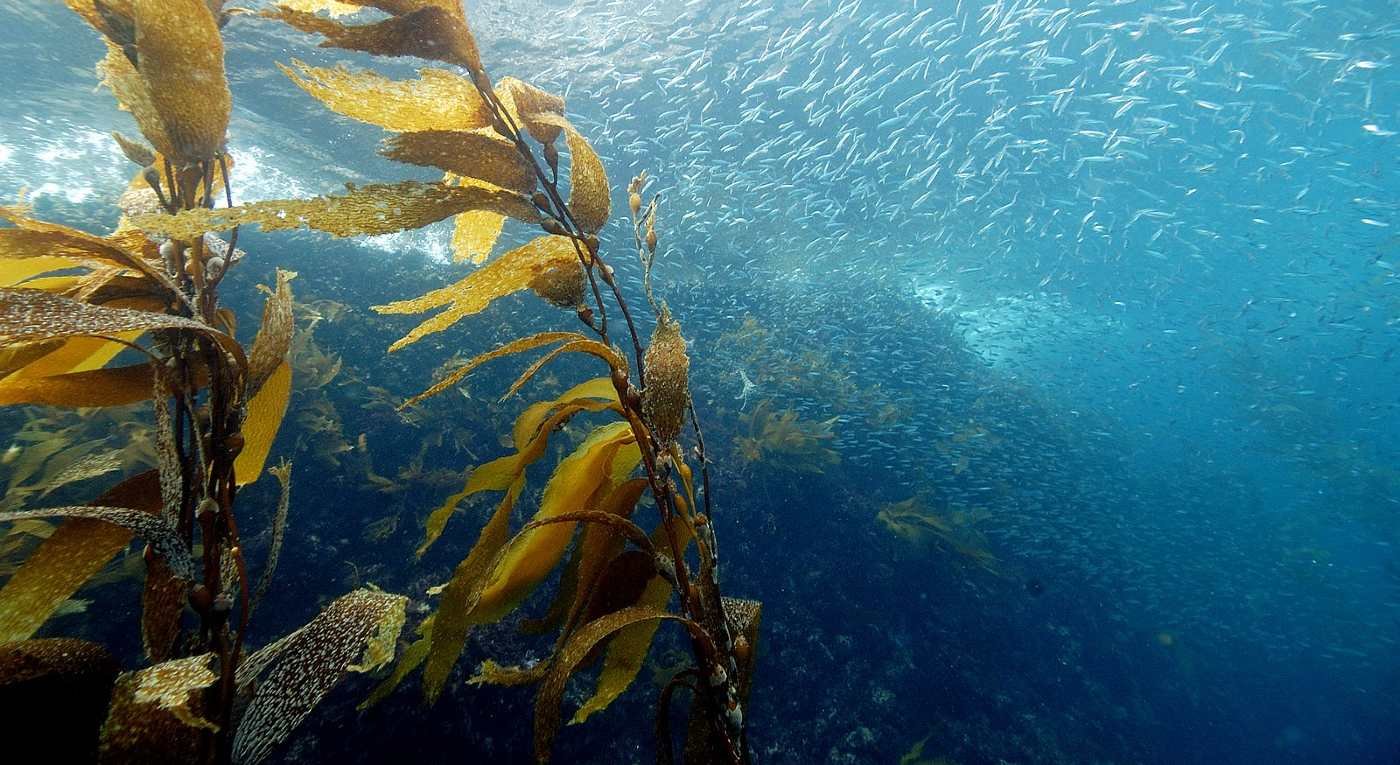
{"x":1119,"y":281}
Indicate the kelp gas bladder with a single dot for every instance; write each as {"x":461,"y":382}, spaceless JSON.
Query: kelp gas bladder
{"x":70,"y":302}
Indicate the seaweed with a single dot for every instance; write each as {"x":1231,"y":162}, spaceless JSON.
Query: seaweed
{"x":498,"y":146}
{"x":148,"y":295}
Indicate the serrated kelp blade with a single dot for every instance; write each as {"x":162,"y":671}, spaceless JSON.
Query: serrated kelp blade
{"x":265,"y":414}
{"x":156,"y":530}
{"x":133,"y":95}
{"x":437,"y":100}
{"x":355,"y":632}
{"x":181,"y":58}
{"x":274,"y":339}
{"x":481,"y":154}
{"x":76,"y":550}
{"x":429,"y":32}
{"x":627,"y":652}
{"x":511,"y":272}
{"x":381,"y":208}
{"x":579,"y":645}
{"x":454,"y":618}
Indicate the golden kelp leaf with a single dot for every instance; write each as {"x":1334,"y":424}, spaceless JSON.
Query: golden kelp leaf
{"x":474,"y":234}
{"x":454,"y":618}
{"x":528,"y":423}
{"x":132,"y":94}
{"x":356,"y":632}
{"x":380,"y":208}
{"x":274,"y":338}
{"x":78,"y":354}
{"x":479,"y":154}
{"x":32,"y":238}
{"x":528,"y":106}
{"x":562,"y":287}
{"x":265,"y":413}
{"x":181,"y":58}
{"x":333,"y":8}
{"x":79,"y":548}
{"x":534,"y":554}
{"x":499,"y":474}
{"x":110,"y":17}
{"x":590,"y":200}
{"x":492,"y":673}
{"x":158,"y":713}
{"x":579,"y":645}
{"x":511,"y":272}
{"x":12,"y":272}
{"x":410,"y":660}
{"x":431,"y":32}
{"x":438,"y":100}
{"x":139,"y":153}
{"x":28,"y":315}
{"x":97,"y":387}
{"x":627,"y":651}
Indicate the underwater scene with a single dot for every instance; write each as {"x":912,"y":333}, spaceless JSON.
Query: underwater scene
{"x":708,"y":381}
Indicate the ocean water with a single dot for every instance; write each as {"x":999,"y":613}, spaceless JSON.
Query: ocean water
{"x":1089,"y":311}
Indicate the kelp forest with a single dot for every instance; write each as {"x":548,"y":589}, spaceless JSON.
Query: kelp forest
{"x":123,"y":336}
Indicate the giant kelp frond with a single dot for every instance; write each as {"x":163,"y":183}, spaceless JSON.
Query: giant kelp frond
{"x":155,"y":529}
{"x":952,"y":528}
{"x":356,"y":632}
{"x":480,"y":154}
{"x":498,"y":572}
{"x":158,"y":713}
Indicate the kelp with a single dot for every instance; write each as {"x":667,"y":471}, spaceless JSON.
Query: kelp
{"x":72,"y":302}
{"x":381,"y":208}
{"x":781,"y":439}
{"x":511,"y":272}
{"x":619,"y":579}
{"x":955,"y":529}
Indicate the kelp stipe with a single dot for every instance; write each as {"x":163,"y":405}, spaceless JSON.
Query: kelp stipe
{"x":70,"y":302}
{"x":497,"y":143}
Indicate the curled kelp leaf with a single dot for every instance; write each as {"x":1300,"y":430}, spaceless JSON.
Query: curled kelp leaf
{"x":511,"y":272}
{"x":157,"y":530}
{"x":479,"y":154}
{"x":538,"y":111}
{"x":181,"y":59}
{"x":627,"y":652}
{"x":579,"y":645}
{"x":274,"y":338}
{"x":283,"y":472}
{"x":31,"y":315}
{"x":158,"y":714}
{"x":356,"y":632}
{"x":438,"y":100}
{"x":380,"y":208}
{"x":590,"y":347}
{"x":590,"y":200}
{"x":76,"y":550}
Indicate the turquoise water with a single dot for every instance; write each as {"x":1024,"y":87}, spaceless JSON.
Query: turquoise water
{"x":1116,"y":281}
